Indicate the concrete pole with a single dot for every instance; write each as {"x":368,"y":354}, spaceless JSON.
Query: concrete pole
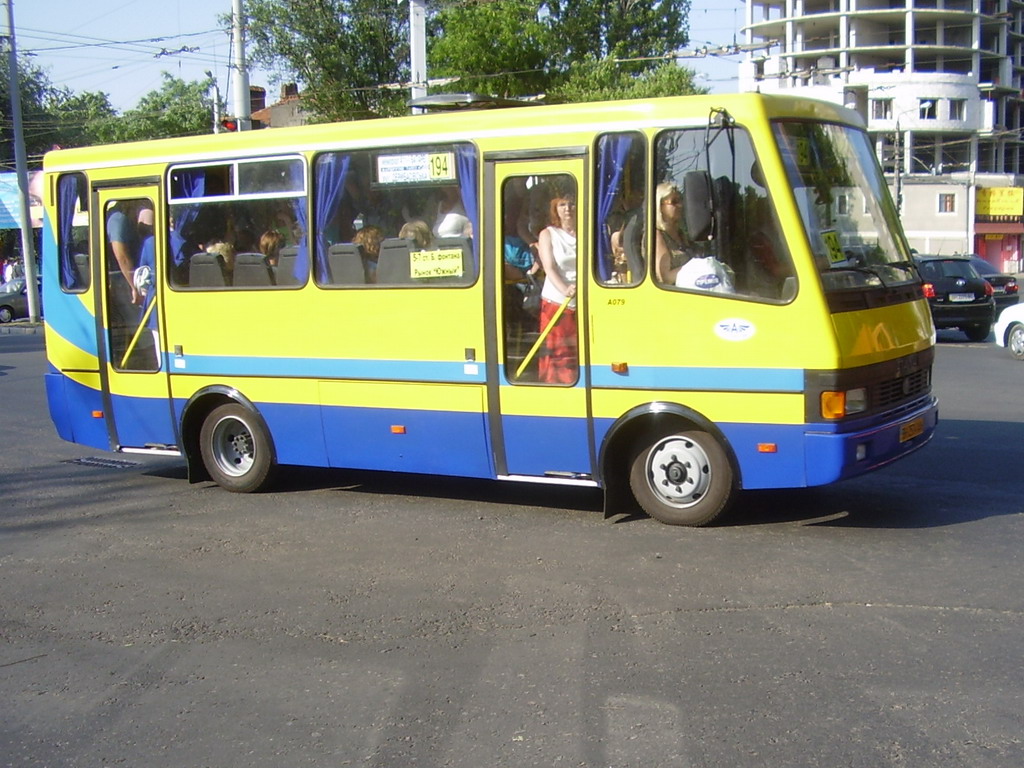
{"x":418,"y":49}
{"x":28,"y":251}
{"x":241,"y":104}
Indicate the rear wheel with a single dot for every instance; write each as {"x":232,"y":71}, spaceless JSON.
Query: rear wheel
{"x":1015,"y":341}
{"x":977,"y":332}
{"x":236,"y":449}
{"x":683,"y":478}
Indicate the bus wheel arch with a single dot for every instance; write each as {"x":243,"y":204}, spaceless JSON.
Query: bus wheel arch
{"x":672,"y":462}
{"x":227,"y":440}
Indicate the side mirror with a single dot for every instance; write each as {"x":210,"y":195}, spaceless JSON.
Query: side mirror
{"x":697,"y":204}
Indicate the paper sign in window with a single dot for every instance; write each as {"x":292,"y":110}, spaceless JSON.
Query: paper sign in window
{"x":441,"y":263}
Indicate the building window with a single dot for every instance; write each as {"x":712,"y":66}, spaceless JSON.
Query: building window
{"x":927,"y":109}
{"x":947,"y":202}
{"x":958,"y":109}
{"x":881,"y":109}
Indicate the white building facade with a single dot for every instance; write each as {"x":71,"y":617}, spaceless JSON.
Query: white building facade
{"x":939,"y":85}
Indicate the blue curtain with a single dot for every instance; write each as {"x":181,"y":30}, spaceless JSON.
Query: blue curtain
{"x":67,"y":196}
{"x":612,"y":153}
{"x":331,"y":170}
{"x":193,"y":184}
{"x":302,"y":219}
{"x":465,"y":161}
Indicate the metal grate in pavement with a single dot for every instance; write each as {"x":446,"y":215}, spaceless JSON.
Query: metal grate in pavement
{"x":97,"y":461}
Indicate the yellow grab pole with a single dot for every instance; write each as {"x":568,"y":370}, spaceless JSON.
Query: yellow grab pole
{"x":540,"y":340}
{"x":138,"y":332}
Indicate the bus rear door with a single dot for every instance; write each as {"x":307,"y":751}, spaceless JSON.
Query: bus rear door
{"x":133,"y":370}
{"x":538,"y":394}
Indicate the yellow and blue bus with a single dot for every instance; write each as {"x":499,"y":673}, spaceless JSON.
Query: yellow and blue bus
{"x":672,"y":299}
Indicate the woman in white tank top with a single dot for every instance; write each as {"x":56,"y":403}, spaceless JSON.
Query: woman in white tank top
{"x":557,"y":250}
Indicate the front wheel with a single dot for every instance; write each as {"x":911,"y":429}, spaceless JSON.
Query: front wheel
{"x":977,"y":332}
{"x":6,"y":315}
{"x":1015,"y":341}
{"x":682,"y":479}
{"x":236,"y":449}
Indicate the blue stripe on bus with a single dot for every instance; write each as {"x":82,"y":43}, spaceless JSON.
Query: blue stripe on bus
{"x":708,"y":379}
{"x":320,"y":368}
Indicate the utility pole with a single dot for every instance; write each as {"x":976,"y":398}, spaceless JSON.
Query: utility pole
{"x":216,"y":102}
{"x":241,"y":104}
{"x":28,"y":253}
{"x":418,"y":50}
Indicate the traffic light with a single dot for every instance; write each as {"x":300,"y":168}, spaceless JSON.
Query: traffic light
{"x":229,"y":124}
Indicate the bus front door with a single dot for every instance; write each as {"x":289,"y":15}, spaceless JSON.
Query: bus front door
{"x":538,"y":395}
{"x":137,"y":404}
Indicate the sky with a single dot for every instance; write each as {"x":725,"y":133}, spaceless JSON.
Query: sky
{"x":120,"y":47}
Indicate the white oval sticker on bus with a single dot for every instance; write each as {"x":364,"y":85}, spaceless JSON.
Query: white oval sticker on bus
{"x":735,"y":329}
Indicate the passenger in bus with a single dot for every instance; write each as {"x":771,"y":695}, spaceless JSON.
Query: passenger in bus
{"x":519,"y":243}
{"x":369,"y":239}
{"x":672,"y":247}
{"x":123,"y":239}
{"x":451,"y":218}
{"x":270,"y":246}
{"x":418,"y":231}
{"x":557,"y":249}
{"x":227,"y":252}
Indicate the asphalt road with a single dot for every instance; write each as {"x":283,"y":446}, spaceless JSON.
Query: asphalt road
{"x":396,"y":621}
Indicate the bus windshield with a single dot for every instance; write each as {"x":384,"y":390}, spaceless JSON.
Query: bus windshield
{"x":851,"y":222}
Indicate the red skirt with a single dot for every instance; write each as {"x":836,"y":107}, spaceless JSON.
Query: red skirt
{"x":559,"y":362}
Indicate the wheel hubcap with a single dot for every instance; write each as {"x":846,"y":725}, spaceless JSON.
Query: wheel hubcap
{"x":233,"y":447}
{"x":679,"y":471}
{"x":1017,"y":341}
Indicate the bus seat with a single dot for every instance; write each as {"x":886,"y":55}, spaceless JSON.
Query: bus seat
{"x":345,"y":264}
{"x":80,"y":263}
{"x":252,"y":269}
{"x":206,"y":270}
{"x":393,"y":264}
{"x":286,"y":266}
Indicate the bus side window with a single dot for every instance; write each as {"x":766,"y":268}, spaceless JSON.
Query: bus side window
{"x":621,"y":209}
{"x":739,"y":249}
{"x":73,"y":232}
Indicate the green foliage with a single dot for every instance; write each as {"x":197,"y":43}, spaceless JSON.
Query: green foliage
{"x":583,"y":50}
{"x":177,"y":108}
{"x":35,"y":89}
{"x":499,"y":48}
{"x":81,"y":119}
{"x":617,"y":29}
{"x":606,"y":80}
{"x":341,"y":51}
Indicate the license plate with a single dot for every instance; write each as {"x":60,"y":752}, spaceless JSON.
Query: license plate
{"x":961,"y":297}
{"x":999,"y":288}
{"x":911,"y":429}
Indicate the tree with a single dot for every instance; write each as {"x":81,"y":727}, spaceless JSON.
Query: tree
{"x":342,"y":51}
{"x":346,"y":52}
{"x":581,"y":50}
{"x":501,"y":48}
{"x":178,"y":108}
{"x":601,"y":80}
{"x":80,"y":119}
{"x":38,"y":125}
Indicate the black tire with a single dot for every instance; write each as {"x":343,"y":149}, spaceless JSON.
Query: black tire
{"x":6,"y":314}
{"x":682,"y":478}
{"x":236,"y":449}
{"x":1015,"y":341}
{"x":977,"y":332}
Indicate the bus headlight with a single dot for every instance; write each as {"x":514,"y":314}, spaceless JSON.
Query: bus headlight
{"x":836,"y":405}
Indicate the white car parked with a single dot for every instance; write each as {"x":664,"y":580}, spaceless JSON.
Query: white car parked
{"x":1009,"y":330}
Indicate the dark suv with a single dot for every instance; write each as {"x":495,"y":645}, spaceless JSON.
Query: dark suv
{"x":958,"y":296}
